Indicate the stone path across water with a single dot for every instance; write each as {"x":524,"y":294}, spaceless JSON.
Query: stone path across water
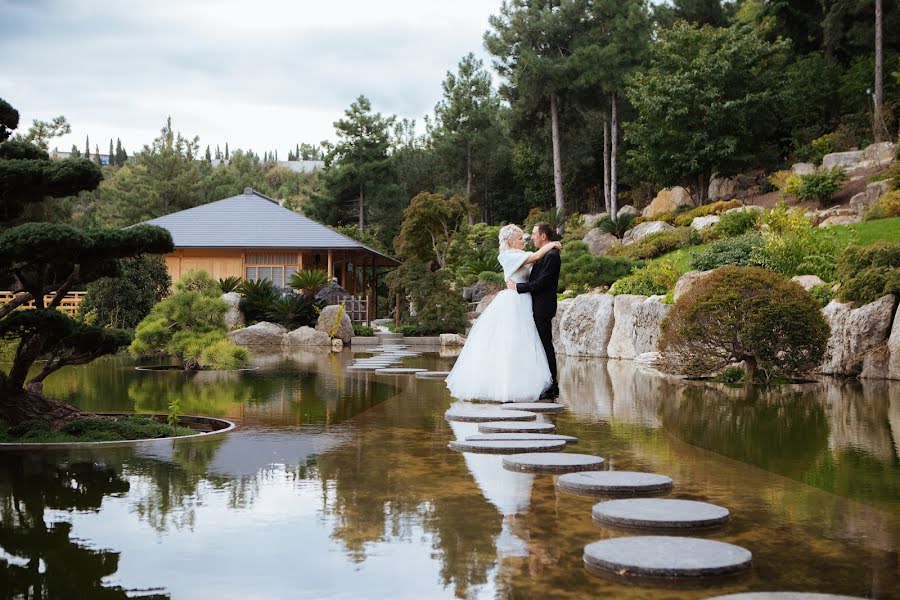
{"x":507,"y":427}
{"x":474,"y":413}
{"x":507,"y":446}
{"x":432,"y":374}
{"x":557,"y":462}
{"x":659,"y":514}
{"x":400,"y":371}
{"x":481,"y":437}
{"x":784,"y":596}
{"x":609,"y":483}
{"x":538,"y":407}
{"x":666,"y":557}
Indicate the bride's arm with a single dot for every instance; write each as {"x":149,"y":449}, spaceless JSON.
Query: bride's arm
{"x":539,"y":254}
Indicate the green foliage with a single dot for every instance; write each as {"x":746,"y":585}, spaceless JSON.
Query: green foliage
{"x":737,"y":251}
{"x":707,"y":104}
{"x":657,"y":244}
{"x":655,"y":279}
{"x":731,"y":375}
{"x":308,"y":280}
{"x":224,"y":354}
{"x":820,"y":185}
{"x":887,"y":206}
{"x":580,"y":271}
{"x":258,"y":297}
{"x":472,"y":251}
{"x":491,"y":277}
{"x":745,"y":314}
{"x":200,"y":282}
{"x":430,"y":223}
{"x":822,"y":294}
{"x":293,"y":311}
{"x":229,"y":284}
{"x":92,"y":430}
{"x":363,"y":330}
{"x":792,"y":246}
{"x":809,"y":110}
{"x":623,"y":223}
{"x":714,"y":208}
{"x":735,"y":223}
{"x":438,"y":309}
{"x":866,"y":273}
{"x":125,"y":300}
{"x":174,"y":412}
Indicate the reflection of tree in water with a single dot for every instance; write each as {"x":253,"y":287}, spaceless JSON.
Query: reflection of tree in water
{"x":152,"y":392}
{"x":782,"y":431}
{"x":49,"y":564}
{"x":390,"y":481}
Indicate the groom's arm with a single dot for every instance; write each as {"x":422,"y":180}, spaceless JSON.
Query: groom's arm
{"x":548,"y":278}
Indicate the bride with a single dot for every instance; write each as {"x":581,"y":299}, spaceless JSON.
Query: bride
{"x":503,"y":359}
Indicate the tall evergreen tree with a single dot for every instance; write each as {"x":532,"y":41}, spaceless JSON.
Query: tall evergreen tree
{"x":120,"y":153}
{"x":75,"y":152}
{"x":87,"y":147}
{"x":111,"y":157}
{"x":226,"y":150}
{"x":208,"y":156}
{"x":97,"y":158}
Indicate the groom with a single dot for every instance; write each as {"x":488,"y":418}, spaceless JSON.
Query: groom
{"x":542,"y":284}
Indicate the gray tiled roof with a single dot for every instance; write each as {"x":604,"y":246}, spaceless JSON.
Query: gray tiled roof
{"x":250,"y":220}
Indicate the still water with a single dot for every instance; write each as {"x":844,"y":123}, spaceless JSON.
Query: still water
{"x":340,"y":485}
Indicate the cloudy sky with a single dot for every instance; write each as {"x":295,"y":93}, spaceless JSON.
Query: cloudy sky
{"x":260,"y":74}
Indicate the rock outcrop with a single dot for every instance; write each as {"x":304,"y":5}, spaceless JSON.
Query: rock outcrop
{"x":452,"y":339}
{"x":642,"y":230}
{"x":234,"y":318}
{"x":883,"y":362}
{"x":584,"y":325}
{"x":307,"y":336}
{"x":688,"y":281}
{"x":875,"y":155}
{"x":475,"y":293}
{"x":328,"y":323}
{"x":260,"y":334}
{"x":855,"y":332}
{"x":701,"y":223}
{"x":863,"y":200}
{"x":599,"y":241}
{"x":801,"y":169}
{"x":628,"y":210}
{"x":637,"y":325}
{"x":667,"y":200}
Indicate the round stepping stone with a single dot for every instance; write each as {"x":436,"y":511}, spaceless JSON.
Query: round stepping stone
{"x":507,"y":427}
{"x":665,"y":557}
{"x":538,"y":407}
{"x":485,"y":437}
{"x":784,"y":596}
{"x":609,"y":483}
{"x":659,"y":513}
{"x":556,"y":462}
{"x":477,"y":414}
{"x":399,"y":371}
{"x":364,"y":368}
{"x":507,"y":446}
{"x":432,"y":374}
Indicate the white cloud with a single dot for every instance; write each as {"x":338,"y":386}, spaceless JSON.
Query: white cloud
{"x":262,"y":74}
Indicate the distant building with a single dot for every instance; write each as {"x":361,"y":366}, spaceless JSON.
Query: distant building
{"x":56,"y":154}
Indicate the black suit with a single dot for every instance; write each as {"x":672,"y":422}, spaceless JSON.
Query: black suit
{"x":542,"y":284}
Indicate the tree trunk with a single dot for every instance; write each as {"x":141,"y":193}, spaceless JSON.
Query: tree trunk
{"x":471,"y":217}
{"x":606,"y":164}
{"x":877,"y":123}
{"x":557,"y":161}
{"x":362,"y":209}
{"x":752,"y":370}
{"x":613,"y":151}
{"x":20,"y":405}
{"x":703,"y":188}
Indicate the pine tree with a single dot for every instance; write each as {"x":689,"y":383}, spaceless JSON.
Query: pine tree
{"x":208,"y":157}
{"x":97,"y":155}
{"x":110,"y":158}
{"x":120,"y":158}
{"x":226,"y":150}
{"x":87,"y":147}
{"x":76,"y":153}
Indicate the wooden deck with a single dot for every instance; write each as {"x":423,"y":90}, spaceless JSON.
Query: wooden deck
{"x":69,"y":304}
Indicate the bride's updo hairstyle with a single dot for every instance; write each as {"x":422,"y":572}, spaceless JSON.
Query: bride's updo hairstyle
{"x":507,"y":233}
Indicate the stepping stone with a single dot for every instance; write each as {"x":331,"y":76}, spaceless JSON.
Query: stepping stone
{"x":784,"y":596}
{"x":486,"y":437}
{"x":610,"y":483}
{"x":665,"y":557}
{"x":538,"y":407}
{"x":659,"y":513}
{"x":507,"y":446}
{"x":399,"y":371}
{"x":473,"y":413}
{"x":364,"y":368}
{"x":507,"y":427}
{"x":432,"y":374}
{"x":556,"y":462}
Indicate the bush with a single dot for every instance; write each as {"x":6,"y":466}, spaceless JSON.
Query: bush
{"x":490,"y":278}
{"x":438,"y":309}
{"x":580,"y":271}
{"x":224,"y":355}
{"x":866,"y":273}
{"x":229,"y":284}
{"x":655,"y":279}
{"x":736,"y":251}
{"x":361,"y":330}
{"x":294,"y":310}
{"x":736,"y":223}
{"x":686,"y":218}
{"x":657,"y":244}
{"x":618,"y":227}
{"x":200,"y":282}
{"x":820,"y":185}
{"x":308,"y":280}
{"x":822,"y":294}
{"x":792,"y":246}
{"x":731,"y":375}
{"x":887,"y":206}
{"x":745,"y":314}
{"x":258,"y":297}
{"x":122,"y":302}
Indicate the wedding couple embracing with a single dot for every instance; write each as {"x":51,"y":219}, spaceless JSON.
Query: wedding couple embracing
{"x":508,"y":356}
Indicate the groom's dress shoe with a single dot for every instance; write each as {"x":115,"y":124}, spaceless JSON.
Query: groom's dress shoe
{"x":550,"y":394}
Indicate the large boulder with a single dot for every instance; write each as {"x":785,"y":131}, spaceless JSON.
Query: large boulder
{"x":592,"y":220}
{"x":474,"y":293}
{"x":638,"y":320}
{"x":452,"y":339}
{"x":746,"y":207}
{"x":722,"y":188}
{"x":687,"y":281}
{"x":801,"y":169}
{"x":485,"y":302}
{"x":884,"y":362}
{"x":234,"y":318}
{"x":847,"y":160}
{"x":642,"y":230}
{"x":701,"y":223}
{"x":259,"y":334}
{"x":667,"y":200}
{"x":599,"y":241}
{"x":307,"y":336}
{"x":585,"y":325}
{"x":876,"y":155}
{"x":807,"y":282}
{"x":628,"y":210}
{"x":328,"y":323}
{"x":840,"y":219}
{"x":854,"y":333}
{"x":863,"y":200}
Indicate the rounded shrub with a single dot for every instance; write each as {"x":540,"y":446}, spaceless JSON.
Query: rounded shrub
{"x":655,"y":279}
{"x":490,"y":278}
{"x":736,"y":223}
{"x":745,"y":314}
{"x":887,"y":206}
{"x":581,"y":271}
{"x":736,"y":251}
{"x":866,"y":273}
{"x":223,"y":355}
{"x":657,"y":244}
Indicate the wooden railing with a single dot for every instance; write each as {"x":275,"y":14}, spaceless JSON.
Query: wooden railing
{"x":69,"y":304}
{"x":358,"y":309}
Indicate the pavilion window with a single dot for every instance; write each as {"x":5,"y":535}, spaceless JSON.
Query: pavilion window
{"x":274,"y":267}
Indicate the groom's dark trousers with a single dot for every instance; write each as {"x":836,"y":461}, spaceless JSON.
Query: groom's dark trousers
{"x":542,"y":284}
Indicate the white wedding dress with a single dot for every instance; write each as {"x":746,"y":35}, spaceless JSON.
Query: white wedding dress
{"x":503,"y":359}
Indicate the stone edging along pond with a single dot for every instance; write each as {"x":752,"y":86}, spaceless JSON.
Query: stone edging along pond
{"x":224,"y":426}
{"x":179,"y":369}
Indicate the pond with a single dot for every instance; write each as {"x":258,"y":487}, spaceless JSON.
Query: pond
{"x":340,"y":484}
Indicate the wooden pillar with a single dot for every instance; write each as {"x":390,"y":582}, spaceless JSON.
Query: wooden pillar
{"x":299,"y":261}
{"x":372,"y":295}
{"x":330,"y":263}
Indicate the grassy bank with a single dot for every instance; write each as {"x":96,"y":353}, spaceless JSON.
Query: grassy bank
{"x":91,"y":430}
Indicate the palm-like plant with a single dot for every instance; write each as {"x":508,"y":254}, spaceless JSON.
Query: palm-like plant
{"x":485,"y":259}
{"x":617,"y":227}
{"x":308,"y":280}
{"x":258,"y":298}
{"x":229,"y":284}
{"x":293,"y":311}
